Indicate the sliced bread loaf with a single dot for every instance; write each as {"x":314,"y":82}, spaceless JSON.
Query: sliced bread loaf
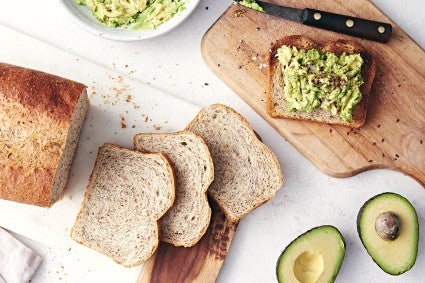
{"x":247,"y":172}
{"x":187,"y":221}
{"x":278,"y":105}
{"x":41,"y":116}
{"x":127,"y":193}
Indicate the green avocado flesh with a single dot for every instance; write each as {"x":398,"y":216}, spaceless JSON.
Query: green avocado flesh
{"x":315,"y":256}
{"x":394,"y":256}
{"x":140,"y":14}
{"x":314,"y":78}
{"x":252,"y":4}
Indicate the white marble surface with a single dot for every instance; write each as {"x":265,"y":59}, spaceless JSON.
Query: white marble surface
{"x":173,"y":63}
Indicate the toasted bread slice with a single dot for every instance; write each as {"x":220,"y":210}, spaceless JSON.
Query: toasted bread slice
{"x":128,"y":192}
{"x":247,"y":173}
{"x":187,"y":220}
{"x":277,"y":105}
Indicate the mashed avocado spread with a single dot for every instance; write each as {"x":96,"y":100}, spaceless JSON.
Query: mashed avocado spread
{"x":140,"y":14}
{"x":314,"y":78}
{"x":251,"y":4}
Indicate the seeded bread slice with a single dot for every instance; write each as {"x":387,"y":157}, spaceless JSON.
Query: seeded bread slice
{"x":128,"y":192}
{"x":247,"y":172}
{"x":276,"y":102}
{"x":187,"y":221}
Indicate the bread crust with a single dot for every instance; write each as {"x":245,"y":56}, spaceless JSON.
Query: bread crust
{"x":45,"y":93}
{"x":276,"y":104}
{"x":30,"y":102}
{"x":31,"y":186}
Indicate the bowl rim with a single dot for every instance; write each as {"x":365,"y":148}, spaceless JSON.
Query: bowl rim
{"x":84,"y":18}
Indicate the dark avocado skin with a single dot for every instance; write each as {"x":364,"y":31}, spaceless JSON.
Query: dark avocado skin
{"x":318,"y":227}
{"x":359,"y":216}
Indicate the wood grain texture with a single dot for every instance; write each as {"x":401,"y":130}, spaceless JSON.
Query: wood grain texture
{"x":200,"y":263}
{"x":394,"y":134}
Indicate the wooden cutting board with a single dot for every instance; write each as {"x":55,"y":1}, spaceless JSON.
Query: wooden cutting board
{"x":200,"y":263}
{"x":394,"y":134}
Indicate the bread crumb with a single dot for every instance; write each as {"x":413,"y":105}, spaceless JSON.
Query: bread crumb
{"x":262,"y":66}
{"x":123,"y":125}
{"x":239,"y":13}
{"x":157,"y":127}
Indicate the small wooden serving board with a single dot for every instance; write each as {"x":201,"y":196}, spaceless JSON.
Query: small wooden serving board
{"x":394,"y":134}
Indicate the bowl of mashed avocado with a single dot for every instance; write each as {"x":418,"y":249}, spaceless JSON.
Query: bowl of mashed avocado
{"x":129,"y":20}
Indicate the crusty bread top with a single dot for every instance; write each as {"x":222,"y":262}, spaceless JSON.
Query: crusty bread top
{"x":36,"y":111}
{"x":45,"y":93}
{"x":127,"y":193}
{"x":276,"y":102}
{"x":247,"y":172}
{"x":187,"y":220}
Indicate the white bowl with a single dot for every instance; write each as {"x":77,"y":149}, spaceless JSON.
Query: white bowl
{"x":85,"y":19}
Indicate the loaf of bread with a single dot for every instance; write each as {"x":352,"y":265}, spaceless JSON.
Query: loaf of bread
{"x":41,"y":116}
{"x":278,"y":105}
{"x":187,"y":221}
{"x":127,"y":193}
{"x":247,"y":173}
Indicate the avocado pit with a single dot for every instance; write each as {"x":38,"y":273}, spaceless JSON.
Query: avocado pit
{"x":388,"y":225}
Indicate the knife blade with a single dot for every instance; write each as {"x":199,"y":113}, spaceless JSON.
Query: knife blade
{"x":354,"y":26}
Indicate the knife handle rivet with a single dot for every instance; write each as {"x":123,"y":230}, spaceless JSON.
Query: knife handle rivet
{"x":317,"y":16}
{"x":349,"y":23}
{"x":381,"y":29}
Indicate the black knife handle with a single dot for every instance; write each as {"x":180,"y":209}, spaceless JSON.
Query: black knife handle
{"x":358,"y":27}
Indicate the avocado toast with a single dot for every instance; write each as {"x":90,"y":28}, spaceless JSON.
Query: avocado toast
{"x":329,"y":83}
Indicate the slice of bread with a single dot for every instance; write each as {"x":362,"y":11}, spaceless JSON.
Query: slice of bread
{"x":188,"y":219}
{"x":127,"y":193}
{"x":247,"y":173}
{"x":276,"y":102}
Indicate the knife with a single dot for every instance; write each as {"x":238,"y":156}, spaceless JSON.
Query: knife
{"x":363,"y":28}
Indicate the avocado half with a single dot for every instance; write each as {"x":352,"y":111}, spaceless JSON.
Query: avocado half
{"x":388,"y":228}
{"x":315,"y":256}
